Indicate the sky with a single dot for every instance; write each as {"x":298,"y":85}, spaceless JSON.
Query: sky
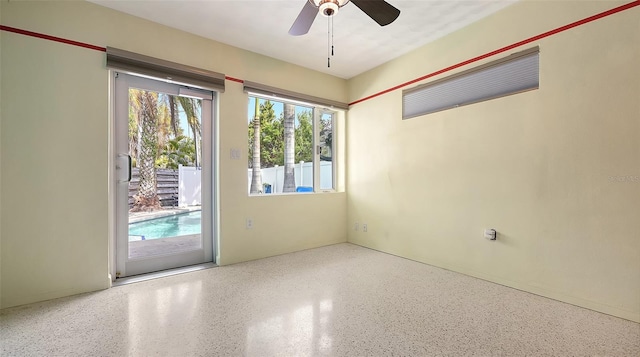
{"x":186,"y":130}
{"x":278,"y":107}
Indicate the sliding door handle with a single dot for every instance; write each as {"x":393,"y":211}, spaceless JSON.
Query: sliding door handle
{"x":121,"y":165}
{"x":130,"y":169}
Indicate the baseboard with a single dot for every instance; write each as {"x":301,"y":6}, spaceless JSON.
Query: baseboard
{"x":533,"y":289}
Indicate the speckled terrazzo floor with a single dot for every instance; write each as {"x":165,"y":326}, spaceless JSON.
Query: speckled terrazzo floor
{"x":341,"y":300}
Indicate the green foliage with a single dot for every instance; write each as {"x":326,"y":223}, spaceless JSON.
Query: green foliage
{"x":165,"y":129}
{"x":172,"y":146}
{"x":272,"y":137}
{"x":326,"y":138}
{"x":191,"y":107}
{"x":178,"y":151}
{"x":304,"y":137}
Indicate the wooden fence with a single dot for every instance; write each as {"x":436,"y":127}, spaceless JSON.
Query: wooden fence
{"x":167,"y":186}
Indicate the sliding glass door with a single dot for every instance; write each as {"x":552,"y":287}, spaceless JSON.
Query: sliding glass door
{"x":164,"y":169}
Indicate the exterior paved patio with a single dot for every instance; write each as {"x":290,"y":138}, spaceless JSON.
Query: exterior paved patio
{"x":164,"y":246}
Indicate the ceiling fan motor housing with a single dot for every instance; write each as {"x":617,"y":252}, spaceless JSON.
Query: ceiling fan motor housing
{"x":329,"y":7}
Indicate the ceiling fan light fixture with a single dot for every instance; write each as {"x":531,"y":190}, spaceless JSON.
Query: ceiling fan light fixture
{"x":328,"y":7}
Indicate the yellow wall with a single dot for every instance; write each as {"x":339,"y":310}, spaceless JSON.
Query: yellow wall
{"x":536,"y":166}
{"x":55,"y":149}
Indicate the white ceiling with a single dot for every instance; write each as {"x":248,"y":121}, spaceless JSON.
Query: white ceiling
{"x":360,"y":44}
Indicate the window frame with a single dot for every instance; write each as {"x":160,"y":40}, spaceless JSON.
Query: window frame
{"x":317,"y":112}
{"x":318,"y":149}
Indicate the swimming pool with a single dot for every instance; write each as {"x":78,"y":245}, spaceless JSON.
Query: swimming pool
{"x":172,"y":226}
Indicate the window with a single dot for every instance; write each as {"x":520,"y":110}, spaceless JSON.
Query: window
{"x":513,"y":74}
{"x":290,"y":146}
{"x":326,"y":150}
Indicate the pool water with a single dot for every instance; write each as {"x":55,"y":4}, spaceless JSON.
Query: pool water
{"x":164,"y":227}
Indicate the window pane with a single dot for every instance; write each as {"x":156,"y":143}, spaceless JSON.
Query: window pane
{"x":304,"y":149}
{"x":284,"y":147}
{"x":165,"y":146}
{"x":326,"y":151}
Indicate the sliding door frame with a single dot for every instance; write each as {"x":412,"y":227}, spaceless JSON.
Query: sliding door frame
{"x":210,"y":215}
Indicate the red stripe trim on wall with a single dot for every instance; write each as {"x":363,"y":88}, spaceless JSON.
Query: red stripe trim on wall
{"x":504,"y":49}
{"x":52,"y":38}
{"x":444,"y":70}
{"x":233,"y":79}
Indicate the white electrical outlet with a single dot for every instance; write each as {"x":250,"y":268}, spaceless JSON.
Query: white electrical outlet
{"x":249,"y":223}
{"x":356,"y":227}
{"x":364,"y":227}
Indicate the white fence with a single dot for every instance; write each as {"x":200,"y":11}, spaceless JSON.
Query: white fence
{"x":189,"y":186}
{"x":303,"y":175}
{"x":190,"y":180}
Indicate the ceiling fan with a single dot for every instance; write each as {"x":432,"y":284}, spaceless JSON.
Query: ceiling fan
{"x":379,"y":10}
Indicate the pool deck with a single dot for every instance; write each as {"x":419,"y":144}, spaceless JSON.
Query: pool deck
{"x":135,"y":217}
{"x":164,"y":246}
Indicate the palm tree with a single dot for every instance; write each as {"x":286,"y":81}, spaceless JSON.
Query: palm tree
{"x":289,"y":148}
{"x":256,"y":176}
{"x":191,"y":107}
{"x":135,"y":130}
{"x":145,"y":105}
{"x":173,"y":112}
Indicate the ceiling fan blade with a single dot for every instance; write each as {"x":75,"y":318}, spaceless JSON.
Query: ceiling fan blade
{"x":304,"y":20}
{"x":379,"y":10}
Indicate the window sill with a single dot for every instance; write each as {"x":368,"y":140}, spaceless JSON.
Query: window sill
{"x":323,"y":192}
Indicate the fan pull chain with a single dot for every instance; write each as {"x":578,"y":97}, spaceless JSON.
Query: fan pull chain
{"x":332,"y":32}
{"x":328,"y":41}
